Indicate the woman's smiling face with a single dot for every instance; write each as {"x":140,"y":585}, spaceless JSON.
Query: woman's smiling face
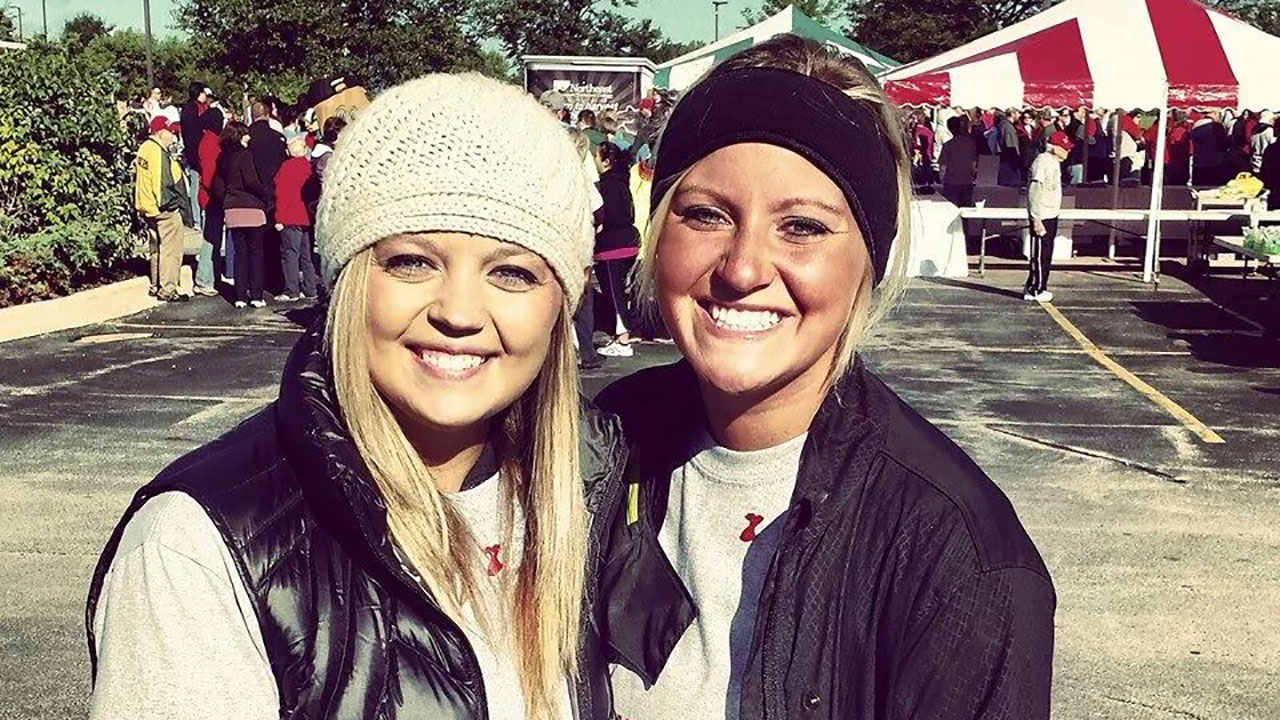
{"x":757,"y":268}
{"x":459,"y":325}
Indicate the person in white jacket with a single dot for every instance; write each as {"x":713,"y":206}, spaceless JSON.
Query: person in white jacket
{"x":1044,"y":204}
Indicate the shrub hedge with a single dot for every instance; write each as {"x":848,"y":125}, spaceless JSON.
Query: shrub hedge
{"x":66,"y":215}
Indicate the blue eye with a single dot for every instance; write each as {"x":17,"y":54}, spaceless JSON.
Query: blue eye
{"x":408,"y":264}
{"x":804,"y":227}
{"x":514,"y":277}
{"x":701,"y":215}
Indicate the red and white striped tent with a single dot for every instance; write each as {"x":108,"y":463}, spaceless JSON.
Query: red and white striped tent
{"x":1105,"y":54}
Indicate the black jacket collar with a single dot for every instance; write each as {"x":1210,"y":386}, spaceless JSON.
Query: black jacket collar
{"x":660,"y":431}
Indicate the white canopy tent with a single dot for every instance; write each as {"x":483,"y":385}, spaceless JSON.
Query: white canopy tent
{"x":1106,"y":54}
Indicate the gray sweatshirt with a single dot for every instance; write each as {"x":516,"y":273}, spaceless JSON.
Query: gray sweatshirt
{"x":1044,"y":196}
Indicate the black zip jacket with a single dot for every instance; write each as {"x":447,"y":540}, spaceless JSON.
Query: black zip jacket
{"x":349,"y":634}
{"x":238,"y":184}
{"x":269,"y":152}
{"x":904,"y":585}
{"x":617,"y":216}
{"x":189,"y":121}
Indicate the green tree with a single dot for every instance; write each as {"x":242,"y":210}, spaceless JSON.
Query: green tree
{"x":84,"y":29}
{"x":296,"y":41}
{"x":1263,"y":14}
{"x":670,"y":50}
{"x":827,"y":12}
{"x":924,"y":28}
{"x":570,"y":27}
{"x":122,"y":55}
{"x":494,"y":64}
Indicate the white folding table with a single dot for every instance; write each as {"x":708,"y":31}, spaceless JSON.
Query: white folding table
{"x":1098,"y":215}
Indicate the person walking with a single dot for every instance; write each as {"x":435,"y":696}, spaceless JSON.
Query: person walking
{"x":617,"y":244}
{"x":160,"y":197}
{"x":293,"y":222}
{"x":830,"y":554}
{"x":959,"y":163}
{"x":1044,"y":204}
{"x":246,"y":199}
{"x":198,"y":97}
{"x":414,"y":529}
{"x":208,"y":263}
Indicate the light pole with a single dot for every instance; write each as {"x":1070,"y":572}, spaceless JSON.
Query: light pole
{"x":146,"y":21}
{"x":44,"y":18}
{"x":716,"y":4}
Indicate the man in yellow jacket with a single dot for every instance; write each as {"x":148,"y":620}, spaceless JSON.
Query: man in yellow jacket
{"x":159,"y":195}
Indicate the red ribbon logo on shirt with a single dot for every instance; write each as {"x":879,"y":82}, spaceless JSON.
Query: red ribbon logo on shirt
{"x":495,"y":565}
{"x":749,"y":534}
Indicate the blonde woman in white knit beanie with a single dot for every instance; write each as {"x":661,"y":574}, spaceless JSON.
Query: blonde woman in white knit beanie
{"x":404,"y":533}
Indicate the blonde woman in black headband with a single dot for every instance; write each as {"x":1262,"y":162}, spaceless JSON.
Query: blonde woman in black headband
{"x":829,"y":553}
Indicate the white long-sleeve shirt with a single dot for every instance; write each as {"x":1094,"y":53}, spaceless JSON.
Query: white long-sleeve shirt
{"x":1044,"y":197}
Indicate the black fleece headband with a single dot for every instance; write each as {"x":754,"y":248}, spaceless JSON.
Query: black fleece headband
{"x":836,"y":133}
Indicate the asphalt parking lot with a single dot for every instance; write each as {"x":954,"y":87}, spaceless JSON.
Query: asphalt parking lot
{"x":1142,"y":451}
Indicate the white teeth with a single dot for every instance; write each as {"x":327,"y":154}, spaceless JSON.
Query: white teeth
{"x":450,"y":362}
{"x":744,"y":320}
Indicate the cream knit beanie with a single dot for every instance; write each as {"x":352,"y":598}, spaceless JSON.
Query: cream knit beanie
{"x":457,"y":153}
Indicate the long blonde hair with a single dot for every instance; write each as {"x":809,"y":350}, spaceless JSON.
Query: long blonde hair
{"x":537,"y":443}
{"x":804,"y":56}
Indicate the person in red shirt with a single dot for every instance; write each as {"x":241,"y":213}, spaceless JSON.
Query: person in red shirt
{"x":293,"y":222}
{"x":206,"y":151}
{"x":1177,"y":150}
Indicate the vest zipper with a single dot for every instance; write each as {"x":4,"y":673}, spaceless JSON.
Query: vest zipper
{"x":470,"y":660}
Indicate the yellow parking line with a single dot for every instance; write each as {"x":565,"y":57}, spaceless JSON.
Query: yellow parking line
{"x":1204,"y":432}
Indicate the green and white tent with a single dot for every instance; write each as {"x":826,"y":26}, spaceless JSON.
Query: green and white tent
{"x":681,"y":72}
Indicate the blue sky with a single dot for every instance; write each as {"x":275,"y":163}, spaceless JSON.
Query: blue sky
{"x":682,"y":20}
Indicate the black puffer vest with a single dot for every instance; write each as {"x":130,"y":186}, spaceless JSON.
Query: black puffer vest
{"x":348,"y":633}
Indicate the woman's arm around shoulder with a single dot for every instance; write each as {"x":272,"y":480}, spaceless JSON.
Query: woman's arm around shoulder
{"x":175,"y":633}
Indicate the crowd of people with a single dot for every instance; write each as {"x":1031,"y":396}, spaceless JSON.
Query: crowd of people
{"x":617,"y":151}
{"x":1043,"y":151}
{"x":251,"y":190}
{"x":1203,"y":148}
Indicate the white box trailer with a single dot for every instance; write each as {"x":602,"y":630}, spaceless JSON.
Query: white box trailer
{"x":588,"y":82}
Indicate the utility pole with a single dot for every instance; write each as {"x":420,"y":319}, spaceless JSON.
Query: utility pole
{"x":716,"y":4}
{"x":44,"y":18}
{"x":146,"y":20}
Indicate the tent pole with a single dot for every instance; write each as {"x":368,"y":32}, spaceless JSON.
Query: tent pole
{"x":1152,"y":260}
{"x":1115,"y":182}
